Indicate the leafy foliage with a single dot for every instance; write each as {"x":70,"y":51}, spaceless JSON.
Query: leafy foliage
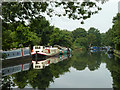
{"x":19,"y":37}
{"x":61,"y":37}
{"x":86,"y":39}
{"x":112,"y":36}
{"x":16,"y":33}
{"x":27,"y":10}
{"x":79,"y":32}
{"x":42,"y":28}
{"x":94,"y":37}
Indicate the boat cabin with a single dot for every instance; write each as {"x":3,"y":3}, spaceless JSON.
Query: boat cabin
{"x":38,"y":48}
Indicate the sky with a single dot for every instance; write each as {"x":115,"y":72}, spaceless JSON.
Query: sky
{"x":101,"y":21}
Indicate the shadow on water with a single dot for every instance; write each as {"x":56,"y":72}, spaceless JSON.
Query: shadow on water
{"x":53,"y":67}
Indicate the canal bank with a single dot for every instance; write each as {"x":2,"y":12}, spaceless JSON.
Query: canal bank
{"x":117,"y":53}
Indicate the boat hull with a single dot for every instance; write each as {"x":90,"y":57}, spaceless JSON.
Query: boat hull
{"x":40,"y":56}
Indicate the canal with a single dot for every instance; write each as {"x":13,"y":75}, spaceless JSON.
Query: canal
{"x":82,"y":69}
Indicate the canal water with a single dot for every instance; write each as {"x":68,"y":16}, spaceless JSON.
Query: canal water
{"x":82,"y":69}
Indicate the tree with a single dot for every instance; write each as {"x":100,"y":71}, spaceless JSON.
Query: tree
{"x":83,"y":42}
{"x":77,"y":33}
{"x":39,"y":31}
{"x":109,"y":38}
{"x":116,"y":29}
{"x":27,"y":10}
{"x":62,"y":38}
{"x":94,"y":37}
{"x":42,"y":28}
{"x":20,"y":37}
{"x":91,"y":39}
{"x":113,"y":35}
{"x":6,"y":40}
{"x":103,"y":39}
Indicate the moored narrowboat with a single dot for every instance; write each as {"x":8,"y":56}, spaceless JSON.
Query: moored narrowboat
{"x":63,"y":50}
{"x":42,"y":51}
{"x":16,"y":53}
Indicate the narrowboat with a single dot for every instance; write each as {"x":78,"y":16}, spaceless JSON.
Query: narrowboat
{"x":42,"y":51}
{"x":63,"y":50}
{"x":16,"y":53}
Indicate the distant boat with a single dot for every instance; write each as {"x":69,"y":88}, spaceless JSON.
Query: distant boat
{"x":94,"y":48}
{"x":41,"y":51}
{"x":63,"y":50}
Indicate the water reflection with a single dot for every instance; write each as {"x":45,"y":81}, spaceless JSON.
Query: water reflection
{"x":110,"y":55}
{"x":13,"y":66}
{"x":82,"y":60}
{"x":15,"y":69}
{"x":114,"y":67}
{"x":38,"y":78}
{"x":40,"y":64}
{"x":96,"y":65}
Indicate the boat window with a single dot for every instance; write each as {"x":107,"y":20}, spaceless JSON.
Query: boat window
{"x":37,"y":66}
{"x":37,"y":47}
